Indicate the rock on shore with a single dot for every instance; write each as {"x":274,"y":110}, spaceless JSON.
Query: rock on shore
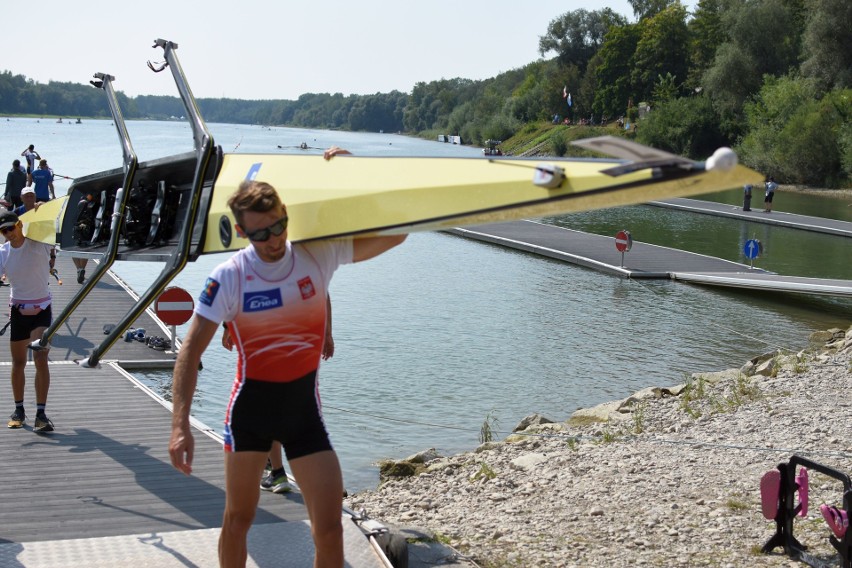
{"x":667,"y":477}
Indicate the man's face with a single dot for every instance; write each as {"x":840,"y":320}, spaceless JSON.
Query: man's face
{"x":28,"y":200}
{"x":272,"y":249}
{"x":13,"y":233}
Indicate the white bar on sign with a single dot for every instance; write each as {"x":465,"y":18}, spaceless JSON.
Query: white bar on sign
{"x":174,"y":306}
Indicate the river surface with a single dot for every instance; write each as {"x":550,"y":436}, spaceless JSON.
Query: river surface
{"x":441,"y":333}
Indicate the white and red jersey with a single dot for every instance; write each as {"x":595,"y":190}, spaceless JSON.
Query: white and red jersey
{"x":276,"y":312}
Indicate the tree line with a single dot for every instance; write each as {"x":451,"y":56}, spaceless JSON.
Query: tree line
{"x":772,"y":78}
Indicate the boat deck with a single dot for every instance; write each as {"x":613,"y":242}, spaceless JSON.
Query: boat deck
{"x":100,"y":489}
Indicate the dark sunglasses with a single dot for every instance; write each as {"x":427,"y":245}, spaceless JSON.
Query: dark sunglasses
{"x":6,"y":230}
{"x":262,"y":235}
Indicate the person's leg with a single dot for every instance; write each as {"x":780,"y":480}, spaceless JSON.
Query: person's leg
{"x":242,"y":470}
{"x":80,"y":264}
{"x":275,"y":479}
{"x":42,"y":375}
{"x":19,"y":362}
{"x":276,"y":458}
{"x":321,"y":484}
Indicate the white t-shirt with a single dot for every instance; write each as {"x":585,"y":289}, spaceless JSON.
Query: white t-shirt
{"x":276,"y":311}
{"x":27,"y":269}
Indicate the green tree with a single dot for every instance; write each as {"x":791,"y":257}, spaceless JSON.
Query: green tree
{"x":576,"y":36}
{"x":828,"y":44}
{"x":687,"y":126}
{"x":665,"y":89}
{"x":763,"y":41}
{"x":612,"y":71}
{"x":649,"y":8}
{"x":732,"y":79}
{"x":796,"y":134}
{"x":707,"y":32}
{"x":662,"y":48}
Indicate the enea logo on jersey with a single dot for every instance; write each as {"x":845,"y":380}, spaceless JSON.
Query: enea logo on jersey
{"x":211,"y":288}
{"x":263,"y":300}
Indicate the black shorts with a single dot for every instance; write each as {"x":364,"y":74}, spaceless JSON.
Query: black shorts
{"x":22,"y":326}
{"x":262,"y":412}
{"x":769,"y":196}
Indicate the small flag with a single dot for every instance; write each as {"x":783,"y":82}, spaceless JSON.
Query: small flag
{"x":564,"y":91}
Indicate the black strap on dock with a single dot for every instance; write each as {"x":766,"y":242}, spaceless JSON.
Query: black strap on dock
{"x":788,"y":509}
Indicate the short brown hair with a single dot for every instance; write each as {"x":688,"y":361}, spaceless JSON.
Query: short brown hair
{"x":257,"y":196}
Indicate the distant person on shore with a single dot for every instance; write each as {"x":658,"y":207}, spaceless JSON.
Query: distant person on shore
{"x":16,"y":180}
{"x":747,"y":196}
{"x":27,"y":265}
{"x":771,"y":186}
{"x":273,"y":294}
{"x":43,"y":181}
{"x":30,"y":155}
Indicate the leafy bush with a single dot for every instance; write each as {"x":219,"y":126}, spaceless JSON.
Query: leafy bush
{"x":687,"y":126}
{"x":558,"y":145}
{"x":797,"y":136}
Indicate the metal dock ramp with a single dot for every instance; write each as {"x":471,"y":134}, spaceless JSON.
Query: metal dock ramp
{"x":596,"y":251}
{"x":756,"y":215}
{"x":644,"y":260}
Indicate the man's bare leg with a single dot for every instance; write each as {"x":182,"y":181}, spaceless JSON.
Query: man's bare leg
{"x":321,"y":484}
{"x":242,"y":473}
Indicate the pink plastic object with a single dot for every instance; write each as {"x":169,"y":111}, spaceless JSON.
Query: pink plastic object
{"x":770,"y":484}
{"x":836,"y":519}
{"x":802,"y":482}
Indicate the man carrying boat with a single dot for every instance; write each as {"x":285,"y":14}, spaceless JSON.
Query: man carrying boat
{"x":273,"y":296}
{"x":27,"y":265}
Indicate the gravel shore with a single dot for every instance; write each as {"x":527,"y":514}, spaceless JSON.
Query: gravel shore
{"x":670,"y":479}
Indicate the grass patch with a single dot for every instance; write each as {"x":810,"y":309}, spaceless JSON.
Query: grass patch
{"x":579,"y":421}
{"x":638,"y":417}
{"x":489,"y":428}
{"x":485,"y":472}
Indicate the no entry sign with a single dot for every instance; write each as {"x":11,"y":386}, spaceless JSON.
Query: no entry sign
{"x":174,"y":306}
{"x":623,"y":241}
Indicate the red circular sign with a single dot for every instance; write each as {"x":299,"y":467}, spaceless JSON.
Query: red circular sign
{"x":623,"y":241}
{"x":174,"y":306}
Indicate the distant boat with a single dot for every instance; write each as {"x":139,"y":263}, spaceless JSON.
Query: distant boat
{"x":79,"y":121}
{"x":59,"y":121}
{"x":491,"y":148}
{"x":449,"y":138}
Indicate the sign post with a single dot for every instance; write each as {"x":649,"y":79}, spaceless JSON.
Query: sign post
{"x":174,"y":307}
{"x":623,"y":243}
{"x":752,"y":249}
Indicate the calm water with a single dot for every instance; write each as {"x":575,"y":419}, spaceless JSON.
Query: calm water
{"x":440,"y":332}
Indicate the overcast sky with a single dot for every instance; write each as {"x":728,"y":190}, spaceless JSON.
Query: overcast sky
{"x":278,"y":49}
